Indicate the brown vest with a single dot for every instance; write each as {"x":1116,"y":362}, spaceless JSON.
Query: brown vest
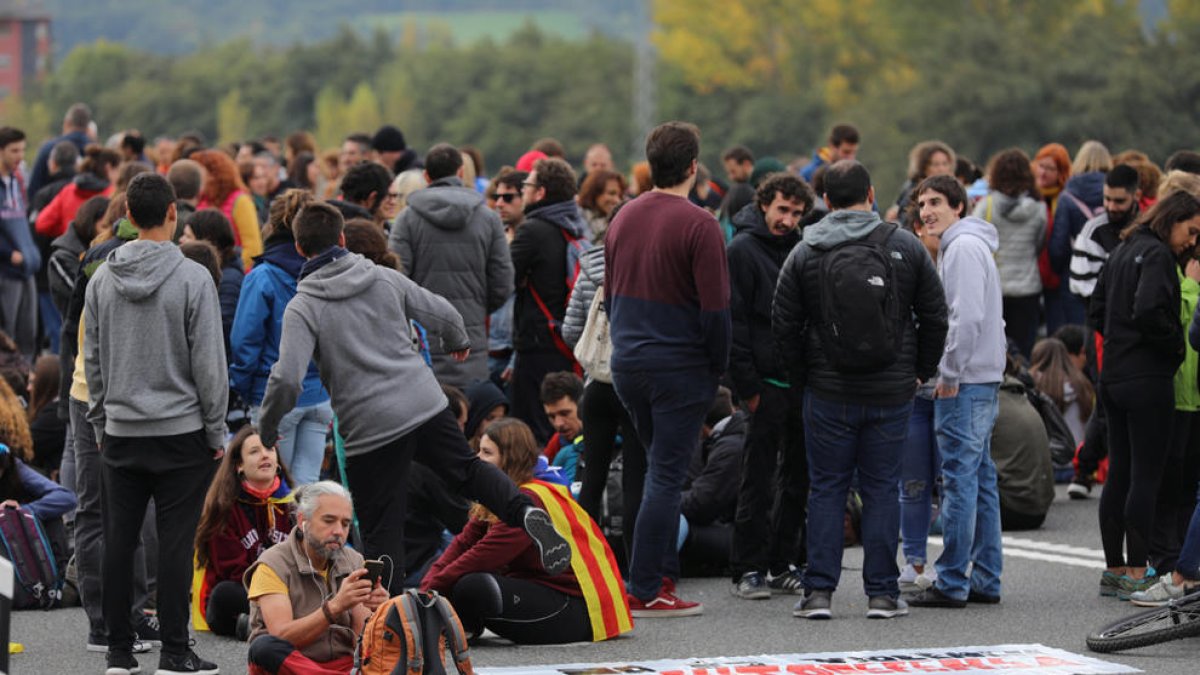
{"x":307,"y":589}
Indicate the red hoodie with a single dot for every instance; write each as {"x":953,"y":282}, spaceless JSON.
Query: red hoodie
{"x":53,"y":220}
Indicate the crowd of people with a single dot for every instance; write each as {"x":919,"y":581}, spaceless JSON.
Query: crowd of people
{"x":220,"y":363}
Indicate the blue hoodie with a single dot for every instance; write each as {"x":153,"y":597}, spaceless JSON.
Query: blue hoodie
{"x":975,"y":344}
{"x":258,"y":326}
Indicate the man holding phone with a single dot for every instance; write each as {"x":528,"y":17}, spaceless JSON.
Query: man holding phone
{"x":310,"y":596}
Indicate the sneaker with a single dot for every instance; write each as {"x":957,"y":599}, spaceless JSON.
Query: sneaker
{"x":752,"y":586}
{"x":1080,"y":488}
{"x":912,"y":581}
{"x":242,"y":632}
{"x":665,"y":604}
{"x":934,"y":597}
{"x":121,"y":663}
{"x":1110,"y":584}
{"x":99,"y":645}
{"x":885,"y":607}
{"x":815,"y":605}
{"x":148,"y":630}
{"x":981,"y":598}
{"x":1162,"y":592}
{"x":1129,"y":586}
{"x":555,"y":551}
{"x":186,"y":663}
{"x":788,"y":582}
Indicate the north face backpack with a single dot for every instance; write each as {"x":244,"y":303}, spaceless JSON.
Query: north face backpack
{"x":860,"y":326}
{"x":409,"y":634}
{"x":39,"y":582}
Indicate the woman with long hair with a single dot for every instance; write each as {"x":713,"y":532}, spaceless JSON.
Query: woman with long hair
{"x":225,"y":190}
{"x":254,"y":343}
{"x":47,"y":431}
{"x":246,"y":511}
{"x":1020,"y":220}
{"x":599,"y":196}
{"x":1136,"y":308}
{"x":1055,"y":374}
{"x":304,"y":171}
{"x":96,"y":176}
{"x":492,"y":574}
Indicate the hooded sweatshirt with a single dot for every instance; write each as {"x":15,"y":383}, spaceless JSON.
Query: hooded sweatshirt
{"x":1021,"y":225}
{"x":153,"y":351}
{"x":358,"y":314}
{"x":975,"y":344}
{"x":452,"y":244}
{"x":539,"y":259}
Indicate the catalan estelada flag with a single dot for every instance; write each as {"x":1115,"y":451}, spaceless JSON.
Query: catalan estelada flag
{"x":592,"y":561}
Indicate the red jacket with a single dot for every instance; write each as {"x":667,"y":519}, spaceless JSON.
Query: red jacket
{"x":497,"y":548}
{"x":254,"y":525}
{"x":53,"y":220}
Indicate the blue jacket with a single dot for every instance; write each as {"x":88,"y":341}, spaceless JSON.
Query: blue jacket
{"x":47,"y":500}
{"x":1069,"y":220}
{"x":15,"y":233}
{"x":258,"y":326}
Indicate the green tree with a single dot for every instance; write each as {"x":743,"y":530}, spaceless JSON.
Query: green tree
{"x":233,"y":117}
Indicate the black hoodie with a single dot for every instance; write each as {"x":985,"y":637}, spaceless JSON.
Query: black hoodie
{"x":755,"y":258}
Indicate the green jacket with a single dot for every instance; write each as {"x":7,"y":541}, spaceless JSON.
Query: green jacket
{"x":1187,"y":389}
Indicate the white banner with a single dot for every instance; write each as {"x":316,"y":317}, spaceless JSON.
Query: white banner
{"x":1012,"y":659}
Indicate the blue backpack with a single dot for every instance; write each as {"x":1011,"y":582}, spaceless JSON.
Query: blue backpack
{"x":39,"y":582}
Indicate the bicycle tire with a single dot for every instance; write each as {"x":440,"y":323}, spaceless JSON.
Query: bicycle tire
{"x":1176,"y":620}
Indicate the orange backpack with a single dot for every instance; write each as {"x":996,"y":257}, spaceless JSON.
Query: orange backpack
{"x":409,"y":634}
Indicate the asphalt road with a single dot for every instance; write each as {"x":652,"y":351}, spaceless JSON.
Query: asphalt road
{"x":1050,"y":581}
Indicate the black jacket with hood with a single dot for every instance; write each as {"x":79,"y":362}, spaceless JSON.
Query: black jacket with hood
{"x":755,"y":258}
{"x":539,"y":258}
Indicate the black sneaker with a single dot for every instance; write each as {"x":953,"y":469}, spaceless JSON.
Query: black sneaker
{"x":934,"y":597}
{"x":752,"y":586}
{"x":242,"y":632}
{"x":147,"y":631}
{"x":982,"y":598}
{"x":121,"y":663}
{"x":886,"y":607}
{"x":555,"y":551}
{"x":815,"y":605}
{"x":186,"y":663}
{"x":1080,"y":488}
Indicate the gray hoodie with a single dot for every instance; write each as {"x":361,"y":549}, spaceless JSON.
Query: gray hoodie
{"x":154,"y":352}
{"x":450,"y":243}
{"x":351,"y":316}
{"x":975,"y":344}
{"x":1021,"y":226}
{"x":840,"y":226}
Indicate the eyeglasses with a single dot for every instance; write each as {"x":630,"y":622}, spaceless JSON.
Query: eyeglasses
{"x":508,"y":197}
{"x":529,"y":185}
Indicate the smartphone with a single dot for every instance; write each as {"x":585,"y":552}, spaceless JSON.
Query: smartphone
{"x":374,"y":570}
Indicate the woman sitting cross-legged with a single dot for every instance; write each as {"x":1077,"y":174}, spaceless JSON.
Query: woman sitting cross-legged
{"x":492,"y":574}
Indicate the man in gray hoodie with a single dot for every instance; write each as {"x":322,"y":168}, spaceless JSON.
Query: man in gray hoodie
{"x":157,"y":388}
{"x":352,"y":317}
{"x":969,"y":377}
{"x":451,"y":243}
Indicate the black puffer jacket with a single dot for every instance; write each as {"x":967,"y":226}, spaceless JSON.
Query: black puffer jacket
{"x":797,"y":314}
{"x":755,"y":258}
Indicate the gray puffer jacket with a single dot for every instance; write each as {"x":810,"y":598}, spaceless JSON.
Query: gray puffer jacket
{"x":450,"y":243}
{"x":1021,"y":224}
{"x":590,"y":280}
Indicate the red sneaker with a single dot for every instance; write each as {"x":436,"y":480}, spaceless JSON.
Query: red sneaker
{"x":663,"y":605}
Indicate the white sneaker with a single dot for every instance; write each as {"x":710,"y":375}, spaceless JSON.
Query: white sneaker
{"x":1161,"y":593}
{"x":910,"y":580}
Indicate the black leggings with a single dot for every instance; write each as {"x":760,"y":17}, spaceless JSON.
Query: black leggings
{"x":603,"y":416}
{"x":1139,"y":425}
{"x":225,"y":602}
{"x":523,"y":611}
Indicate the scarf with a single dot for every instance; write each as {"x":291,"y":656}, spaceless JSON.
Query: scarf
{"x":317,"y":262}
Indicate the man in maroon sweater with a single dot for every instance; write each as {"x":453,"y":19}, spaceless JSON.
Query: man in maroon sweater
{"x":667,"y":292}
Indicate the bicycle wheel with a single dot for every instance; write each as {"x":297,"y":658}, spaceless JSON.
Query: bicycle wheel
{"x":1178,"y":619}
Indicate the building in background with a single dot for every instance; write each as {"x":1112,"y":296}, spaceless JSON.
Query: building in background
{"x":24,"y":51}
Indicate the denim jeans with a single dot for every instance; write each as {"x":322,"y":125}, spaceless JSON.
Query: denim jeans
{"x":667,"y":409}
{"x":844,"y":439}
{"x":919,"y":467}
{"x":302,"y":435}
{"x":971,"y":498}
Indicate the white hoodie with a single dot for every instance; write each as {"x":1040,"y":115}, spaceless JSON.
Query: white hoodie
{"x":975,"y":344}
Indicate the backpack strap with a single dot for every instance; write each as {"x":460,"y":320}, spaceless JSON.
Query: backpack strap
{"x":406,"y":605}
{"x":1086,"y":210}
{"x":880,"y":234}
{"x":555,"y":333}
{"x":455,"y":636}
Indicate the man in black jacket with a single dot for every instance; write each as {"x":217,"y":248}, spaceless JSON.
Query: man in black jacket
{"x":710,"y":493}
{"x":774,"y":473}
{"x":855,"y":417}
{"x":539,"y":259}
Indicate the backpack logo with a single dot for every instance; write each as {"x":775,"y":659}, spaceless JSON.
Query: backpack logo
{"x":875,"y":281}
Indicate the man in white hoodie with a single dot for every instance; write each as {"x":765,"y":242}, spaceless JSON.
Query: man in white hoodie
{"x":966,"y":406}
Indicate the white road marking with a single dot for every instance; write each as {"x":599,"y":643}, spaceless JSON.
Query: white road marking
{"x":1062,"y":554}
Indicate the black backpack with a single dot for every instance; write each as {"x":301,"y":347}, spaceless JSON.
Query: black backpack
{"x":860,"y":326}
{"x":1062,"y":442}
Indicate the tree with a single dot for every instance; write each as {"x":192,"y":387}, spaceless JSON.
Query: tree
{"x":233,"y":117}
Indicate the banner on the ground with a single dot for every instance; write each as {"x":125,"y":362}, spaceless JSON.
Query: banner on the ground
{"x":1011,"y":659}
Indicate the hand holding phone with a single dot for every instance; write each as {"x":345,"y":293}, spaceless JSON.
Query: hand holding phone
{"x":374,"y":570}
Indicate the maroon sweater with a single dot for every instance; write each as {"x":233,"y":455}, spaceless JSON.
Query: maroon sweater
{"x":497,"y":548}
{"x":254,"y":525}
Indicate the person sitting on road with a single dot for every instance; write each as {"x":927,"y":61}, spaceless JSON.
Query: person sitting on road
{"x":310,"y":595}
{"x":560,"y":394}
{"x":491,"y":571}
{"x":246,"y":511}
